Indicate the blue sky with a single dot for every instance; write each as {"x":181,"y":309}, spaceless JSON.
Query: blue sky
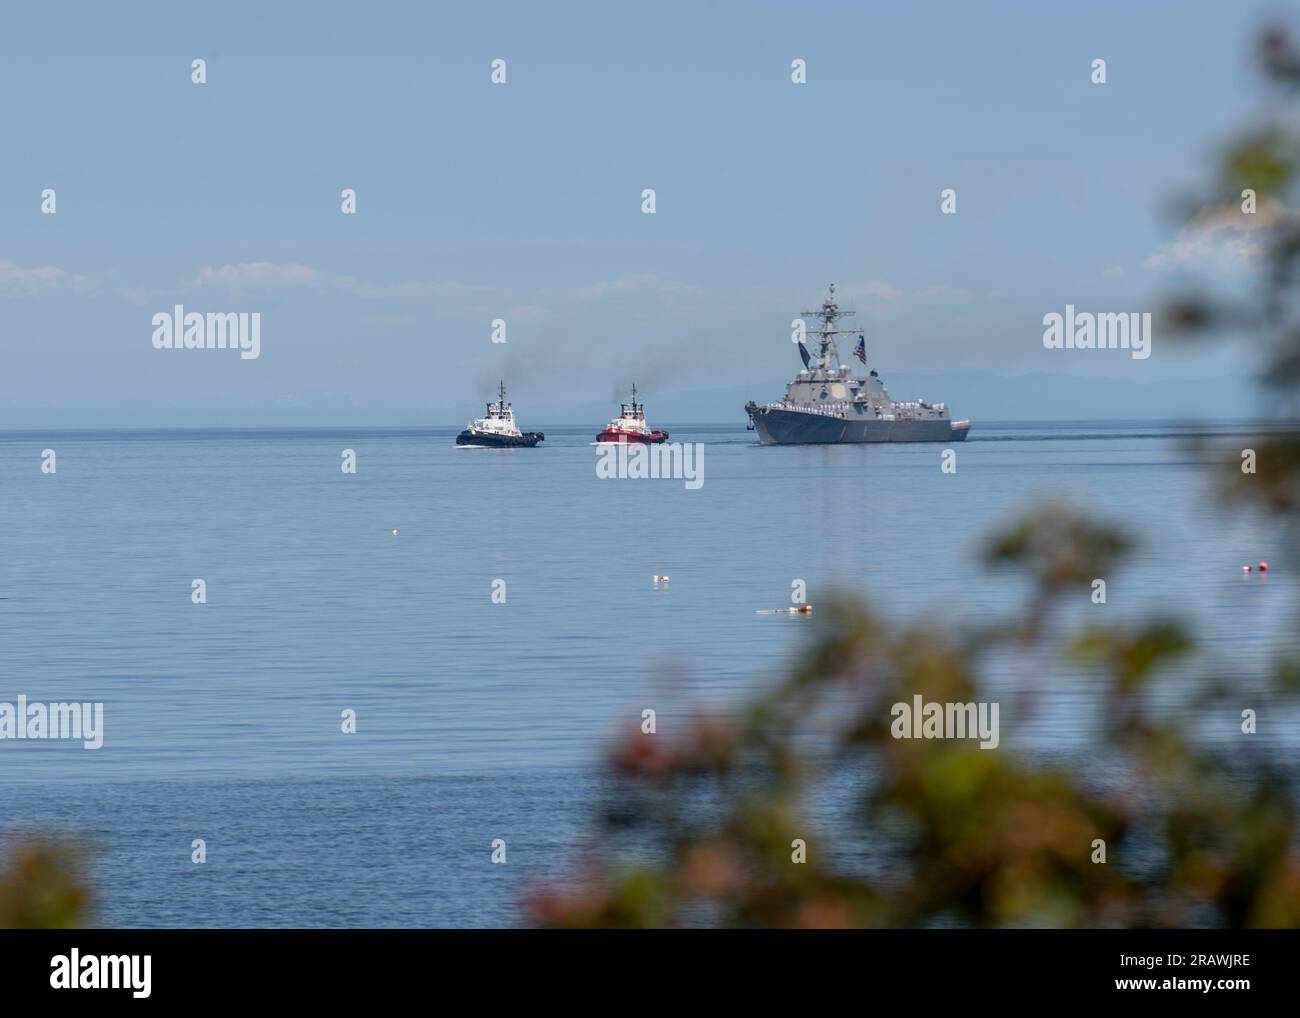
{"x":522,"y":201}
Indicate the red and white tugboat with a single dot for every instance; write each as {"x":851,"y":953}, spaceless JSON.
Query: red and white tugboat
{"x":630,"y":426}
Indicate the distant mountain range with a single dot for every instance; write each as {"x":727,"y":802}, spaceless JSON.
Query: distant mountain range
{"x":1037,"y":396}
{"x":979,"y":396}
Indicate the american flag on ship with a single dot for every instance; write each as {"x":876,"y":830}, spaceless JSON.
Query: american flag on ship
{"x":860,"y":351}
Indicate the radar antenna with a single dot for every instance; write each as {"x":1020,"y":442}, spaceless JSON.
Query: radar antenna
{"x":828,"y":354}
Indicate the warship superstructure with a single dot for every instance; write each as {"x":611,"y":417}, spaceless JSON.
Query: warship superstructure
{"x":498,"y":429}
{"x":827,"y":403}
{"x":630,"y":426}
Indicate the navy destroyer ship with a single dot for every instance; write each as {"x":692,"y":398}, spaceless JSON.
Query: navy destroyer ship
{"x":827,"y":404}
{"x":498,"y":429}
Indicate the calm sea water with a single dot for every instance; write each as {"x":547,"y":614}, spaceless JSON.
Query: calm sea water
{"x":479,"y":720}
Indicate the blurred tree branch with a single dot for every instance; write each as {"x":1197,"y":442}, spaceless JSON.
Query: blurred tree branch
{"x":43,"y":885}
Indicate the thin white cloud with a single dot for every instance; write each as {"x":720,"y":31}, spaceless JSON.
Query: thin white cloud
{"x":290,"y":275}
{"x":256,"y":275}
{"x":871,"y":289}
{"x":412,"y":290}
{"x":1221,"y":238}
{"x":644,"y":284}
{"x":17,"y":281}
{"x":943,"y":293}
{"x":885,"y":298}
{"x":527,"y":313}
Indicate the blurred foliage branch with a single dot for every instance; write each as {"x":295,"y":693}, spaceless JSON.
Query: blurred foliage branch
{"x":43,"y":884}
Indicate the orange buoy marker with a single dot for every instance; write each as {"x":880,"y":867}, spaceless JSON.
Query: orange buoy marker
{"x":1263,"y":567}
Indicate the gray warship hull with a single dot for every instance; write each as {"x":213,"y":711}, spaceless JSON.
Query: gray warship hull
{"x":777,"y":426}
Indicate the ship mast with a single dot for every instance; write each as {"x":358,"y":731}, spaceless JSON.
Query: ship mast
{"x":501,"y":396}
{"x":828,"y":355}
